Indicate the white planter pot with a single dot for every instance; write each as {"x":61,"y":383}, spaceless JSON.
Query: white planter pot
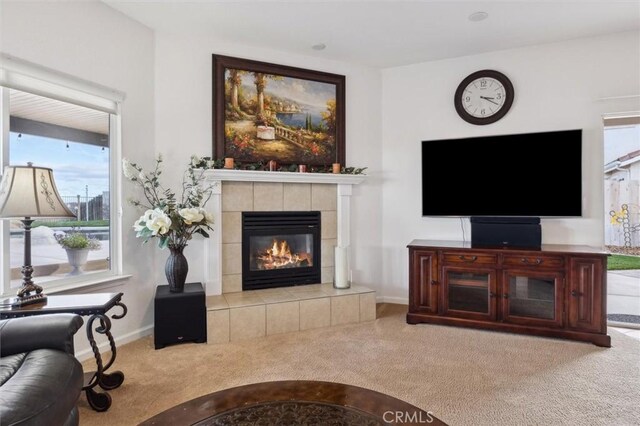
{"x":77,"y":258}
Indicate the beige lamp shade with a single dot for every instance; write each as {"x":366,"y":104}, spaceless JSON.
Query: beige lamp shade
{"x":27,"y":191}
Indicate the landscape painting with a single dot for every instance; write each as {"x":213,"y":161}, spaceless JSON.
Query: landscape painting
{"x":266,"y":112}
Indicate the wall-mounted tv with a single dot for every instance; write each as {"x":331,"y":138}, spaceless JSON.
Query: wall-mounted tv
{"x":532,"y":174}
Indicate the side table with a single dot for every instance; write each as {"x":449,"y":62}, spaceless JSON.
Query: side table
{"x":180,"y":317}
{"x":95,"y":306}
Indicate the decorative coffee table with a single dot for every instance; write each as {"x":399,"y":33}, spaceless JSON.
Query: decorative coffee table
{"x":294,"y":402}
{"x":95,"y":306}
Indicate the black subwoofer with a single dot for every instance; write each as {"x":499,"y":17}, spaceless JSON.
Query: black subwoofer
{"x":180,"y":317}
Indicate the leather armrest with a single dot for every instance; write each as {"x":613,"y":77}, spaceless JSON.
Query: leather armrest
{"x":25,"y":334}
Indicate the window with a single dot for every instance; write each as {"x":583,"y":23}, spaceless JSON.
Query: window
{"x":55,"y":121}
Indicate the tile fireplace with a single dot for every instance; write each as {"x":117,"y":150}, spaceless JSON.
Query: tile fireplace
{"x":280,"y":249}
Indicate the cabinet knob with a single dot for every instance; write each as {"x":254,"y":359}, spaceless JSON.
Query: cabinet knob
{"x":505,"y":296}
{"x":468,"y":258}
{"x":526,"y":261}
{"x":492,"y":294}
{"x":434,"y":282}
{"x":575,"y":293}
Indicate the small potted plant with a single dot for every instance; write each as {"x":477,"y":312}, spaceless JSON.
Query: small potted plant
{"x":77,"y":246}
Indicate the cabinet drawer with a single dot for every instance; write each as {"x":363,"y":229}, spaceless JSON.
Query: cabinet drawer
{"x":536,"y":261}
{"x":469,"y":258}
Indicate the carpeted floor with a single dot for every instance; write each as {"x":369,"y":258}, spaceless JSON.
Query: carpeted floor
{"x":463,"y":376}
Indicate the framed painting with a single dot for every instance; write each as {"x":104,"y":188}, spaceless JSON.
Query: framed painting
{"x":264,"y":112}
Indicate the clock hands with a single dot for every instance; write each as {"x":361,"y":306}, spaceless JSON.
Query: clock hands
{"x":489,"y":99}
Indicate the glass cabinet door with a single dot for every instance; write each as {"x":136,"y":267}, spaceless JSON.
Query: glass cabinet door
{"x":469,"y":293}
{"x":531,"y":298}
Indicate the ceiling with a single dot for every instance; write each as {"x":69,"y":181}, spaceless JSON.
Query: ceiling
{"x":386,"y":33}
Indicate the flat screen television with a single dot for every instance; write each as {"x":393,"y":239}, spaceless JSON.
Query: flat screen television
{"x":532,"y":174}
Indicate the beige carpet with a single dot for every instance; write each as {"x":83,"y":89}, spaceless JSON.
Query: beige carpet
{"x":463,"y":376}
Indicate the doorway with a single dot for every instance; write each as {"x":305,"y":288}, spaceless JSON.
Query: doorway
{"x":622,"y":218}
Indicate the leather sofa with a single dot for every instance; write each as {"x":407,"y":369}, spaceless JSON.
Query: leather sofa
{"x":40,"y":379}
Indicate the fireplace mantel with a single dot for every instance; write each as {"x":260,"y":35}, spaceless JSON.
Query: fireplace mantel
{"x":284,"y":177}
{"x":212,"y":250}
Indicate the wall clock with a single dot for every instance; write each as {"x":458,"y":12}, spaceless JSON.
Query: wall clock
{"x":484,"y":97}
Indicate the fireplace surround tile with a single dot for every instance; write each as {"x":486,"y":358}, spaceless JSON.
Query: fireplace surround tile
{"x":296,"y":197}
{"x":247,"y":322}
{"x":315,"y":313}
{"x":323,"y":197}
{"x":327,"y":247}
{"x":259,"y":313}
{"x":329,"y":224}
{"x":283,"y":317}
{"x":242,"y":299}
{"x":267,"y":196}
{"x":218,"y":326}
{"x":305,"y":288}
{"x":279,"y":297}
{"x":237,"y":197}
{"x":215,"y":303}
{"x":231,"y":227}
{"x":231,"y":258}
{"x":367,"y":307}
{"x":231,"y":283}
{"x":326,"y":274}
{"x":345,"y":309}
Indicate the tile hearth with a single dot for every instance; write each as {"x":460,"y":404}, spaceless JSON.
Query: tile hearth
{"x":251,"y":314}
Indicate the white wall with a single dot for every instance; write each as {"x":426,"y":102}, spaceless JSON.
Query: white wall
{"x":94,"y":42}
{"x":184,"y":127}
{"x":558,"y":86}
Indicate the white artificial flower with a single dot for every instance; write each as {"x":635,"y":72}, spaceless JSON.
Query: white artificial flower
{"x":159,"y":223}
{"x":142,"y":221}
{"x":208,"y":217}
{"x":142,"y":176}
{"x":191,"y":215}
{"x":129,"y":171}
{"x":137,"y":226}
{"x":195,"y":160}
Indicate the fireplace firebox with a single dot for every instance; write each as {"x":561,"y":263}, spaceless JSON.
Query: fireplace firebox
{"x":280,"y":249}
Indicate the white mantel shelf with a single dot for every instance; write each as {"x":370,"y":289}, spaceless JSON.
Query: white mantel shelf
{"x":286,"y":177}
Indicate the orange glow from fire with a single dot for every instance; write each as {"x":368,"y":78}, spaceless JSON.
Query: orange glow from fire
{"x":279,"y":255}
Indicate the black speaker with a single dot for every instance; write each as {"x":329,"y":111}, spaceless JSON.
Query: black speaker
{"x":517,"y":232}
{"x":180,"y":317}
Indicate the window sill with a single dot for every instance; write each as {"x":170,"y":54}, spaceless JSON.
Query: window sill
{"x":113,"y":279}
{"x":89,"y":284}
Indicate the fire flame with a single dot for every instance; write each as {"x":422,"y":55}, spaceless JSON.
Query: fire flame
{"x":279,"y":255}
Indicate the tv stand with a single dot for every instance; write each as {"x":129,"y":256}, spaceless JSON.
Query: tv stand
{"x":554,"y":291}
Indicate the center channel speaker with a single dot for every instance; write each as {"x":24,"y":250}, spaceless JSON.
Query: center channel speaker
{"x":516,"y":232}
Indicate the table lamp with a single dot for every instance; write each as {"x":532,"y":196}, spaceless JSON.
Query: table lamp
{"x":28,"y":192}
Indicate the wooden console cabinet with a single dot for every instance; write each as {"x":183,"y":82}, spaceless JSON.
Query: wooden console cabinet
{"x":558,"y":291}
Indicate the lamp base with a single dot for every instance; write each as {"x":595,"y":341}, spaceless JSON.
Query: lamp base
{"x":28,"y":288}
{"x":17,"y":302}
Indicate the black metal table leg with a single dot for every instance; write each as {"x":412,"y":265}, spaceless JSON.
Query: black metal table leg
{"x":99,"y":401}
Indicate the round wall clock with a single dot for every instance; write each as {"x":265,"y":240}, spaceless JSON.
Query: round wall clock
{"x":484,"y":97}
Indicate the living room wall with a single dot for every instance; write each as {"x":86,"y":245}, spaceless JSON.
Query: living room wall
{"x":183,"y":108}
{"x":558,"y":86}
{"x":94,"y":42}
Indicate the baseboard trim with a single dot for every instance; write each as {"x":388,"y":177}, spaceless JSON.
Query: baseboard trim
{"x":121,"y":340}
{"x":396,"y":300}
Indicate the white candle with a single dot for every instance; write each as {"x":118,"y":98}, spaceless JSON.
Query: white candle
{"x":341,"y":268}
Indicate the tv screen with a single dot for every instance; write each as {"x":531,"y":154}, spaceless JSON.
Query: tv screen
{"x":533,"y":174}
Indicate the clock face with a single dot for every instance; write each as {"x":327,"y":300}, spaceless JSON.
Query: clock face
{"x":484,"y":97}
